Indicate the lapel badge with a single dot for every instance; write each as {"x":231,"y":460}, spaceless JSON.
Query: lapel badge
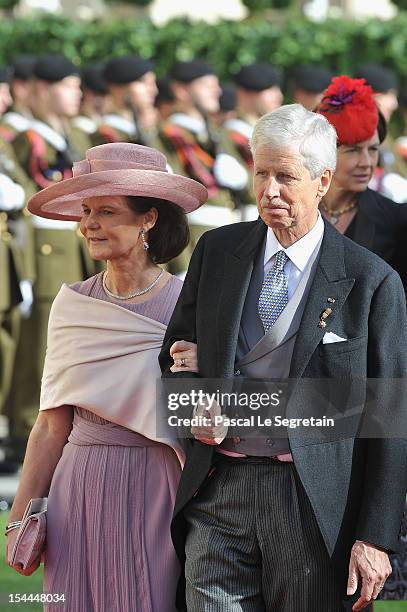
{"x":324,"y":315}
{"x":331,"y":300}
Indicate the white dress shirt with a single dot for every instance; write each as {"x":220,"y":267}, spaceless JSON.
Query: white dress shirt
{"x":298,"y":253}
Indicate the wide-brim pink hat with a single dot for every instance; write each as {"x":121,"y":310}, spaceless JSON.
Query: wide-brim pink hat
{"x":117,"y":169}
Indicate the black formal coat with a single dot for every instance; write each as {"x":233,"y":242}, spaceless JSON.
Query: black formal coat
{"x":356,"y":486}
{"x":380,"y":225}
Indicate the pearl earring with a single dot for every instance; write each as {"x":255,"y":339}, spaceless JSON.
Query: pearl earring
{"x":146,"y":246}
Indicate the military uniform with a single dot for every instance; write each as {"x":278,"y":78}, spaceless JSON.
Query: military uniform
{"x":15,"y":258}
{"x":60,"y":255}
{"x":122,"y":124}
{"x":15,"y":273}
{"x":90,"y":118}
{"x":195,"y":149}
{"x":17,"y":119}
{"x":237,"y":131}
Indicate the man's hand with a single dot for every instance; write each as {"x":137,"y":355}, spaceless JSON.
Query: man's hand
{"x":211,"y":432}
{"x":372,"y":565}
{"x":185,"y":356}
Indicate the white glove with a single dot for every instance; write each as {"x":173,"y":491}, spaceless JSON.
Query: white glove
{"x":12,"y":195}
{"x":28,"y":298}
{"x":229,"y":173}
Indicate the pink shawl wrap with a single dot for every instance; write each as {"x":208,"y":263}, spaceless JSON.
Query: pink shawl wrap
{"x":104,"y":358}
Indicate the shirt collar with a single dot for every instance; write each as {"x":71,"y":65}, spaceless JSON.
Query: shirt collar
{"x":299,"y":252}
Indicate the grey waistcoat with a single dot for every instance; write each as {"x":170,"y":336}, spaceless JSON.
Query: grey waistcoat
{"x":268,"y":356}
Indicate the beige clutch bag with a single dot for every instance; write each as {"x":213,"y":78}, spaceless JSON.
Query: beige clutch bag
{"x":30,"y":541}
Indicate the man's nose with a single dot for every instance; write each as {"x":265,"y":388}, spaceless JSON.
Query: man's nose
{"x":272,"y":188}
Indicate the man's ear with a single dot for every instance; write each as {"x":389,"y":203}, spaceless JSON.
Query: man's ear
{"x":324,"y":182}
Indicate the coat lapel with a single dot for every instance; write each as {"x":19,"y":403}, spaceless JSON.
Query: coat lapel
{"x":238,"y":268}
{"x":330,"y":281}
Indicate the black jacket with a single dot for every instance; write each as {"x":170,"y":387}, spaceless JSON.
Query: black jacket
{"x":380,"y":225}
{"x":356,"y":486}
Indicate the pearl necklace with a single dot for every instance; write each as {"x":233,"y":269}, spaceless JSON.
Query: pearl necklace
{"x":131,"y":295}
{"x":335,"y":214}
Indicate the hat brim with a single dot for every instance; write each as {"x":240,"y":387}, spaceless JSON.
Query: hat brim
{"x":63,"y":200}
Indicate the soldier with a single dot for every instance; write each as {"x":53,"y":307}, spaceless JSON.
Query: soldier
{"x":46,"y":151}
{"x":258,"y":92}
{"x":132,"y":86}
{"x":227,"y":105}
{"x":309,"y":83}
{"x":18,"y":118}
{"x":15,"y":264}
{"x":391,"y":177}
{"x":95,"y":99}
{"x":165,"y":99}
{"x":194,"y":149}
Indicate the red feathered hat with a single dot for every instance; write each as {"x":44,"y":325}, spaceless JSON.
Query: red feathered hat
{"x":349,"y":106}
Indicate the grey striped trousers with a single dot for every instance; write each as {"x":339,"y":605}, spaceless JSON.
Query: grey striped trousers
{"x":253,"y":544}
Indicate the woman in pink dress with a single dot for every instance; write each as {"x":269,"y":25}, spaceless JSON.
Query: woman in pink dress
{"x":94,"y":449}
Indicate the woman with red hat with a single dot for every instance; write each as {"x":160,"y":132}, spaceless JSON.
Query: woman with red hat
{"x":364,"y":215}
{"x":99,"y":449}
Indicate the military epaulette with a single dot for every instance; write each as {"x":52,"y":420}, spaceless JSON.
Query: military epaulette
{"x":197,"y":163}
{"x":38,"y":164}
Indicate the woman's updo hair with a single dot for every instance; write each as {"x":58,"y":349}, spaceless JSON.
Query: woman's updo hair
{"x":170,"y":234}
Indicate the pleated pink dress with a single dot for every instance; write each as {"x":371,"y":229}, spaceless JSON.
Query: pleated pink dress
{"x":110,"y":505}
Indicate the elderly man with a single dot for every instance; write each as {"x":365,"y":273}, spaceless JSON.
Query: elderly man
{"x":286,"y":525}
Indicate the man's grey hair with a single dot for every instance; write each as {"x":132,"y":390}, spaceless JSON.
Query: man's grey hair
{"x":301,"y":131}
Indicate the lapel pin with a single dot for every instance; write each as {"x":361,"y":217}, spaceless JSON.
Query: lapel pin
{"x":324,"y":315}
{"x":331,"y":300}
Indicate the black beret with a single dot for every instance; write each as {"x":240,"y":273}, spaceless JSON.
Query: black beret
{"x":54,"y":68}
{"x":380,"y":79}
{"x":92,"y":78}
{"x":6,"y":74}
{"x":311,"y":78}
{"x":257,"y":77}
{"x":126,"y":69}
{"x":186,"y":72}
{"x":165,"y":93}
{"x":23,"y":67}
{"x":227,"y":100}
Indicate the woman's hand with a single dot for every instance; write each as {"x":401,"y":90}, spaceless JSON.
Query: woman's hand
{"x":185,"y":356}
{"x":11,"y":538}
{"x":211,"y":429}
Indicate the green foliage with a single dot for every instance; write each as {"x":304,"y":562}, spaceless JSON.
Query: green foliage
{"x":338,"y":44}
{"x":8,"y":4}
{"x":257,"y":6}
{"x":402,"y":6}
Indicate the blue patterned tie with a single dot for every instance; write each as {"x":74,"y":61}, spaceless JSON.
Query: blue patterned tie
{"x":274,"y":292}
